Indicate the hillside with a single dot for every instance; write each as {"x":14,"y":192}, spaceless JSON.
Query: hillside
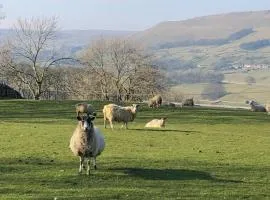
{"x":219,"y":44}
{"x":232,"y":38}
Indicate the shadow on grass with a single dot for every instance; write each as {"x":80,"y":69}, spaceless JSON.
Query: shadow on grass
{"x":171,"y":174}
{"x":163,"y":130}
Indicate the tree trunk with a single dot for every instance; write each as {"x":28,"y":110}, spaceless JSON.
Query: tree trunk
{"x":38,"y":93}
{"x":37,"y":97}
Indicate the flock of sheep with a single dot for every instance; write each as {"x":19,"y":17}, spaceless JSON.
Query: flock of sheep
{"x":88,"y":142}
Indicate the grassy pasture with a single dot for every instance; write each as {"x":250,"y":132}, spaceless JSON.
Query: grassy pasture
{"x":201,"y":154}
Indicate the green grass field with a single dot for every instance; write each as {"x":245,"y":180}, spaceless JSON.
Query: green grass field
{"x":201,"y":154}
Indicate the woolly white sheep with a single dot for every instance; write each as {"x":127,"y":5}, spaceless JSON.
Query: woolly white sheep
{"x":156,"y":101}
{"x":87,"y":141}
{"x":156,"y":123}
{"x":113,"y":112}
{"x":85,"y":108}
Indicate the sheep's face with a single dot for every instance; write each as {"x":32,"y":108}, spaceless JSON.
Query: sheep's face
{"x":163,"y":121}
{"x":86,"y":122}
{"x":135,"y":107}
{"x":252,"y":103}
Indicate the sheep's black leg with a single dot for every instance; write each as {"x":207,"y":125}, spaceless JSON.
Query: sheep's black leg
{"x":88,"y":167}
{"x":81,"y":164}
{"x":124,"y":124}
{"x":94,"y":163}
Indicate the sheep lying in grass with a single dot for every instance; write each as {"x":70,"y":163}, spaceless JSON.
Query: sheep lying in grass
{"x":156,"y":123}
{"x":113,"y":112}
{"x":85,"y":108}
{"x":255,"y":107}
{"x":87,"y":141}
{"x":155,"y":102}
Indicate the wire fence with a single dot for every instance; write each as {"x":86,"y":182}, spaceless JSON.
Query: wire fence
{"x":170,"y":98}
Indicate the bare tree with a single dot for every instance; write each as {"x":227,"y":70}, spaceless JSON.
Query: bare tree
{"x":30,"y":55}
{"x":122,"y":55}
{"x":122,"y":69}
{"x":96,"y":58}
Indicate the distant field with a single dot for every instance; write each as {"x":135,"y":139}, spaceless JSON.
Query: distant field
{"x":237,"y":88}
{"x":207,"y":56}
{"x":201,"y":154}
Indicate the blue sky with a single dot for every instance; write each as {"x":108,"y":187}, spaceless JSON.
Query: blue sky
{"x":121,"y":14}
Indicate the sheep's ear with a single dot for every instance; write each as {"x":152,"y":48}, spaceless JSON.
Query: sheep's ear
{"x":79,"y":118}
{"x":92,"y":118}
{"x":94,"y":114}
{"x":137,"y":105}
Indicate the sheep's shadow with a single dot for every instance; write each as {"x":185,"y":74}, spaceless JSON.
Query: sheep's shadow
{"x":171,"y":174}
{"x":164,"y":130}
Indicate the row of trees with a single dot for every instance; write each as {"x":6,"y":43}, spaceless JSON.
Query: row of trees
{"x":107,"y":69}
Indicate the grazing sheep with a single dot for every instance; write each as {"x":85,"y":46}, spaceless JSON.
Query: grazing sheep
{"x":155,"y":102}
{"x":255,"y":107}
{"x":113,"y":112}
{"x":156,"y":123}
{"x":188,"y":102}
{"x":87,"y":141}
{"x":85,"y":108}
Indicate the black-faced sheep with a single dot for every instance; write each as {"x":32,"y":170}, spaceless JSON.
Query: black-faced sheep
{"x":87,"y":141}
{"x":155,"y":102}
{"x":113,"y":112}
{"x":85,"y":108}
{"x":156,"y":123}
{"x":255,"y":107}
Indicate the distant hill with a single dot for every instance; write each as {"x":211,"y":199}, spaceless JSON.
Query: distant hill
{"x":207,"y":27}
{"x":212,"y":41}
{"x":217,"y":42}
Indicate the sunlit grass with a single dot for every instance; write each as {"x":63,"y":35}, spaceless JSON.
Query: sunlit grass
{"x":201,"y":154}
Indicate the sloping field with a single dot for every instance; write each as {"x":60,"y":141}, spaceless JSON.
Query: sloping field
{"x":237,"y":88}
{"x":208,"y":39}
{"x":201,"y":154}
{"x":205,"y":27}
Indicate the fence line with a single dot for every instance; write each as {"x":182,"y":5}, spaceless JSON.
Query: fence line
{"x":149,"y":94}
